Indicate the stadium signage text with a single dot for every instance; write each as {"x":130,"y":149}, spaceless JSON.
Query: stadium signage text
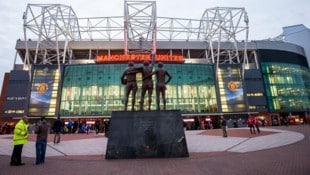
{"x":138,"y":58}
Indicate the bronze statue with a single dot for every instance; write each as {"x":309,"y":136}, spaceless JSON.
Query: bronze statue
{"x":161,"y":73}
{"x":129,"y":79}
{"x":147,"y":83}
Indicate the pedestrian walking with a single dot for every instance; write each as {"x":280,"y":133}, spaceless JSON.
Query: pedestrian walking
{"x":57,"y":127}
{"x":251,"y":125}
{"x":256,"y":123}
{"x":19,"y":139}
{"x":41,"y":142}
{"x":224,"y":125}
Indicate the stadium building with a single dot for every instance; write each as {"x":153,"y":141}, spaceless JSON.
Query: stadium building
{"x":72,"y":66}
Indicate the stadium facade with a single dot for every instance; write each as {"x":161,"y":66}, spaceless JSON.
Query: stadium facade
{"x":72,"y":66}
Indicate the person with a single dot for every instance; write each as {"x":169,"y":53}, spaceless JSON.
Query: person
{"x":256,"y":124}
{"x":87,"y":128}
{"x":251,"y":125}
{"x":41,"y":142}
{"x":106,"y":127}
{"x":129,"y":79}
{"x":70,"y":125}
{"x":75,"y":127}
{"x":147,"y":84}
{"x":5,"y":128}
{"x":235,"y":124}
{"x":19,"y":139}
{"x":224,"y":125}
{"x":196,"y":123}
{"x":57,"y":126}
{"x":98,"y":126}
{"x":161,"y":74}
{"x":285,"y":120}
{"x":263,"y":122}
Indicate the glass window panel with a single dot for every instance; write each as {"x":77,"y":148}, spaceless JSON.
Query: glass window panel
{"x":98,"y":88}
{"x":285,"y":85}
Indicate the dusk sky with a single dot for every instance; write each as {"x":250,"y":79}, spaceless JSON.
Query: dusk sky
{"x":267,"y":17}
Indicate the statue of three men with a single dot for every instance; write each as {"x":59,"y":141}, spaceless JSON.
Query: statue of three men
{"x":129,"y":79}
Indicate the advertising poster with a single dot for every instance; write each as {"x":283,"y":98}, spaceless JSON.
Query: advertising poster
{"x":231,"y":89}
{"x":44,"y":90}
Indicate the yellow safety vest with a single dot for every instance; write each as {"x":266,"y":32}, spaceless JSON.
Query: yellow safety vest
{"x":20,"y":133}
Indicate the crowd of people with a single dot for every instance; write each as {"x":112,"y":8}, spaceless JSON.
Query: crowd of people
{"x":74,"y":127}
{"x":42,"y":128}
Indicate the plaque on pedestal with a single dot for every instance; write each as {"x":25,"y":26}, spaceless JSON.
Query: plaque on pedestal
{"x":146,"y":134}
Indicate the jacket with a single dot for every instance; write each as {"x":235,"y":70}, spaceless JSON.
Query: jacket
{"x":42,"y":131}
{"x":57,"y":126}
{"x":20,"y":133}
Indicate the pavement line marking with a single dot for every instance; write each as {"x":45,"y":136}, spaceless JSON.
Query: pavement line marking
{"x":57,"y":150}
{"x":238,"y":144}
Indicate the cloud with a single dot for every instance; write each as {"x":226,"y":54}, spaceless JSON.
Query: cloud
{"x":266,"y":17}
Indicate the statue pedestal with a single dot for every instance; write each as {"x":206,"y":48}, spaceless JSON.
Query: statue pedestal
{"x":146,"y":134}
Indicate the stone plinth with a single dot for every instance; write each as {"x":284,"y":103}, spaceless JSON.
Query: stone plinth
{"x":146,"y":134}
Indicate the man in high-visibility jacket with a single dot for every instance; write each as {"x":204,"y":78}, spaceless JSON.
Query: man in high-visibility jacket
{"x":20,"y":138}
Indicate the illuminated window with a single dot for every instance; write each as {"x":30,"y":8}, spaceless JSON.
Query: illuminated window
{"x":191,"y":89}
{"x":287,"y":86}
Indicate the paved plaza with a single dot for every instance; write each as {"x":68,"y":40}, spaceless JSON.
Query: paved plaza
{"x":276,"y":150}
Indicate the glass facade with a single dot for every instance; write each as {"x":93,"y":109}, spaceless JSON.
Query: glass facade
{"x":287,"y":86}
{"x":96,"y":89}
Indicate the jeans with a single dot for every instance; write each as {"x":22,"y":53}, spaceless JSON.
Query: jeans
{"x":40,"y":151}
